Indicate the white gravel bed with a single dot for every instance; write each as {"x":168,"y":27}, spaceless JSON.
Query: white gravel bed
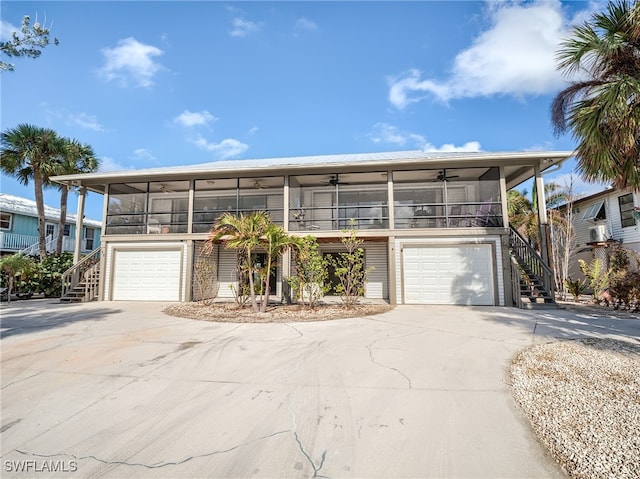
{"x":582,"y":398}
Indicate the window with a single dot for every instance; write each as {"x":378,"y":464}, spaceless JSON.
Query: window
{"x":5,"y":221}
{"x":625,"y":202}
{"x":595,"y":212}
{"x":89,"y":234}
{"x":67,"y":230}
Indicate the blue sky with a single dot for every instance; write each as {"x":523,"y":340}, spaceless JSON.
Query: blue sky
{"x":151,"y":84}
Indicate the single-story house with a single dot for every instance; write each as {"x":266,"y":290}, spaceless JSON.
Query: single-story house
{"x":19,"y":228}
{"x":602,"y":220}
{"x":435,"y":225}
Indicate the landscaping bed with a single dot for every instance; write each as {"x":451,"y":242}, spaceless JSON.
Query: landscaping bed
{"x":231,"y":313}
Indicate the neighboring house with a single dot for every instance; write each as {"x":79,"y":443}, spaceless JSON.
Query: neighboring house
{"x":602,"y":220}
{"x":19,"y":228}
{"x":434,"y":225}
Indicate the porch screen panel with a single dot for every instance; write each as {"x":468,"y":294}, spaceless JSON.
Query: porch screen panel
{"x":127,"y":208}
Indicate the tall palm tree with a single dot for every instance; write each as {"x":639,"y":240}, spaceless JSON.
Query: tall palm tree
{"x":275,"y":242}
{"x":523,"y":212}
{"x":602,"y":111}
{"x":243,"y":234}
{"x":78,"y":158}
{"x":28,"y":153}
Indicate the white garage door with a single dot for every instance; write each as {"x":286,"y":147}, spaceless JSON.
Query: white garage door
{"x":147,"y":275}
{"x":448,"y":275}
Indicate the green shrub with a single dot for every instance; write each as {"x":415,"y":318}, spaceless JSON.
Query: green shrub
{"x":49,"y":276}
{"x":576,"y":287}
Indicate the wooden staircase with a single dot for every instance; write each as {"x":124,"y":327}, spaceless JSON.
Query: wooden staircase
{"x":532,"y":279}
{"x":81,"y":282}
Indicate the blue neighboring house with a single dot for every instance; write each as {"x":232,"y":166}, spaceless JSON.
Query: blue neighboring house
{"x":19,"y":228}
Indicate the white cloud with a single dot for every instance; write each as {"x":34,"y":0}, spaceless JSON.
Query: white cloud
{"x":390,"y":134}
{"x":83,"y":120}
{"x":142,"y":154}
{"x":227,"y":148}
{"x":253,"y":130}
{"x":243,"y":27}
{"x":515,"y":56}
{"x":188,"y":118}
{"x":109,"y":164}
{"x":131,"y":59}
{"x":306,"y":24}
{"x":6,"y":30}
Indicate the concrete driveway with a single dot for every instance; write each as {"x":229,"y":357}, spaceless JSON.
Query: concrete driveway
{"x":122,"y":390}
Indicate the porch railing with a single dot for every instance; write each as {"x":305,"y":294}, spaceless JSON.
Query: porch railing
{"x":529,"y":259}
{"x":86,"y":271}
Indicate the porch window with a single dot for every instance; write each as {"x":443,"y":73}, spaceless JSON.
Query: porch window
{"x":447,"y":198}
{"x":625,"y":203}
{"x":216,"y":196}
{"x":66,"y":230}
{"x":168,"y":207}
{"x":331,"y":201}
{"x":127,"y":208}
{"x":5,"y":221}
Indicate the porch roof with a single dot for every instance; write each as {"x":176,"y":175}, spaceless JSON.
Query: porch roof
{"x":518,"y":166}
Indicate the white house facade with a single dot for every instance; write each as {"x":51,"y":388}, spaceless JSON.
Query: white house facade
{"x":602,"y":220}
{"x":434,"y":225}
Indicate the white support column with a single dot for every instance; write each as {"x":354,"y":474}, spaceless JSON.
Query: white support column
{"x":390,"y":200}
{"x":542,"y":202}
{"x":285,"y":200}
{"x":82,"y":193}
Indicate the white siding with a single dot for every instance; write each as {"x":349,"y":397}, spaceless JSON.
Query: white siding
{"x":227,"y":272}
{"x":378,"y":281}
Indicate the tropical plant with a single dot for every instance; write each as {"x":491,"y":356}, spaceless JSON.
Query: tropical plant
{"x":77,"y":158}
{"x":576,"y":287}
{"x":275,"y":241}
{"x":28,"y":153}
{"x":16,"y":265}
{"x":596,"y":275}
{"x":310,"y":280}
{"x":248,"y":234}
{"x":29,"y":42}
{"x":523,"y":212}
{"x":602,"y":108}
{"x":49,"y":274}
{"x":350,"y":269}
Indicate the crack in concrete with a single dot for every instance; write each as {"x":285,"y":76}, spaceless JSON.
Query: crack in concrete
{"x":20,"y":380}
{"x":294,"y":430}
{"x":156,"y":465}
{"x":373,"y":360}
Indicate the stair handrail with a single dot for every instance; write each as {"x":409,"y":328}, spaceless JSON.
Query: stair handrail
{"x":72,"y":276}
{"x":530,"y":257}
{"x":35,"y":247}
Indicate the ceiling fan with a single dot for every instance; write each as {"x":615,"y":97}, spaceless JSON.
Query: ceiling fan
{"x":335,"y":180}
{"x":442,"y":176}
{"x":257,"y":185}
{"x":164,"y":189}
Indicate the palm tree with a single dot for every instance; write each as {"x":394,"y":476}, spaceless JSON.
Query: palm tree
{"x":603,"y":110}
{"x":241,"y":233}
{"x":523,"y":212}
{"x":78,"y":158}
{"x":275,"y":242}
{"x":14,"y":266}
{"x":28,"y":153}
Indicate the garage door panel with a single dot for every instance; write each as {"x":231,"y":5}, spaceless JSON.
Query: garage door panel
{"x":147,"y":275}
{"x":461,"y":274}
